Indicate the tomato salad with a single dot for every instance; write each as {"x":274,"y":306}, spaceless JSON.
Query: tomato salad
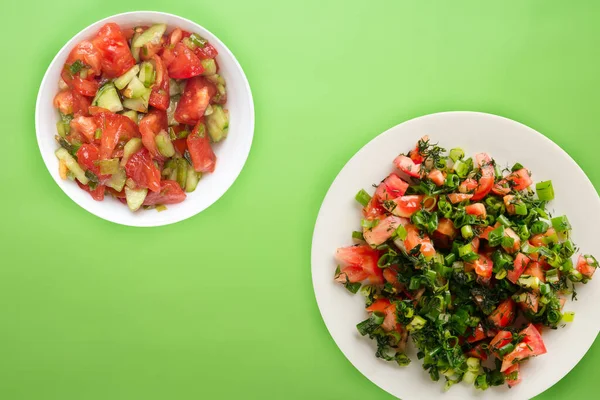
{"x":463,"y":257}
{"x":139,"y":109}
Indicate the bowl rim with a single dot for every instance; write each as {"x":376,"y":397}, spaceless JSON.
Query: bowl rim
{"x":147,"y":222}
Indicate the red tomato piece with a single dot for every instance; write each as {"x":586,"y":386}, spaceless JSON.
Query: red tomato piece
{"x":85,"y":87}
{"x":415,"y":154}
{"x":142,"y":170}
{"x":86,"y":53}
{"x":509,"y":203}
{"x":181,"y":62}
{"x":541,"y":238}
{"x":386,"y":307}
{"x":467,"y":186}
{"x":390,"y":274}
{"x":159,"y":97}
{"x":478,"y":352}
{"x":513,"y":375}
{"x":374,"y":209}
{"x":404,"y":206}
{"x":586,"y":265}
{"x":115,"y":128}
{"x":180,"y":145}
{"x":477,"y":335}
{"x":85,"y":126}
{"x":391,"y":187}
{"x":194,"y":100}
{"x":486,"y":182}
{"x":150,"y":126}
{"x":175,"y":36}
{"x":519,"y":180}
{"x":531,"y":345}
{"x":437,"y":177}
{"x":198,"y":144}
{"x":446,"y":227}
{"x":516,"y":241}
{"x":361,"y":256}
{"x":97,"y":193}
{"x":501,"y":339}
{"x":484,"y":234}
{"x":519,"y":265}
{"x":408,"y":166}
{"x":351,"y":274}
{"x":383,"y":230}
{"x":170,"y":193}
{"x":483,"y":267}
{"x":504,"y":314}
{"x":414,"y":238}
{"x":535,"y":269}
{"x":114,"y":50}
{"x":206,"y":52}
{"x":477,"y":209}
{"x":87,"y":157}
{"x":64,"y":102}
{"x":458,"y":197}
{"x":531,"y":302}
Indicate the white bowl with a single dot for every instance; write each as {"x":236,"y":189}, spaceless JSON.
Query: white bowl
{"x":231,"y":152}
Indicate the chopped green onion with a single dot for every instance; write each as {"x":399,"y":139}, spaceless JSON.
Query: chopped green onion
{"x":416,"y":324}
{"x":545,"y":288}
{"x":461,"y":168}
{"x":520,"y":209}
{"x":363,"y":197}
{"x":575,"y":276}
{"x":415,"y":283}
{"x":504,"y":350}
{"x":456,"y":154}
{"x":527,"y":248}
{"x":452,"y":181}
{"x":544,"y":190}
{"x":552,"y":276}
{"x":567,"y":265}
{"x":357,"y":235}
{"x":369,"y":223}
{"x":495,"y":236}
{"x":501,"y":274}
{"x":466,"y":252}
{"x":568,"y":316}
{"x":550,"y":239}
{"x":532,"y":282}
{"x":539,"y":227}
{"x":508,"y":242}
{"x":561,"y":224}
{"x":98,"y":133}
{"x":466,"y":231}
{"x":401,"y":232}
{"x":504,"y":221}
{"x":516,"y":167}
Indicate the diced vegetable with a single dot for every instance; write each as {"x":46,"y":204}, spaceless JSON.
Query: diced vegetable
{"x":164,"y":145}
{"x":182,"y":168}
{"x":124,"y":79}
{"x":217,"y":123}
{"x":72,"y":165}
{"x":117,"y":180}
{"x":150,"y":35}
{"x":147,"y":74}
{"x":545,"y":190}
{"x":192,"y":179}
{"x":135,"y":197}
{"x":131,"y":114}
{"x":133,"y":146}
{"x":210,"y":66}
{"x":107,"y":97}
{"x":109,"y":167}
{"x":136,"y":89}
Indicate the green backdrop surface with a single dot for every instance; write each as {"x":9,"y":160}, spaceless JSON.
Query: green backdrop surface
{"x":221,"y":305}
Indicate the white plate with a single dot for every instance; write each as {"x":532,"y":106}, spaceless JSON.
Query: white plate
{"x":508,"y":142}
{"x":231,"y":152}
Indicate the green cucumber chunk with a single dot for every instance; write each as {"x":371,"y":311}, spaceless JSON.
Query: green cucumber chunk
{"x":171,"y":111}
{"x":182,"y":169}
{"x":147,"y":74}
{"x":124,"y":79}
{"x":133,"y":146}
{"x":210,"y":67}
{"x":139,"y":105}
{"x":72,"y":165}
{"x":164,"y":145}
{"x":135,"y":89}
{"x":217,"y":123}
{"x":117,"y":180}
{"x":135,"y":197}
{"x":174,"y":87}
{"x":192,"y":179}
{"x":108,"y":97}
{"x":216,"y":79}
{"x":131,"y":114}
{"x":63,"y":128}
{"x":150,"y":35}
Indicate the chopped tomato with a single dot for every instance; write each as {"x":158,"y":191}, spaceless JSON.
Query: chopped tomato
{"x":361,"y":256}
{"x":180,"y":145}
{"x":64,"y":102}
{"x":97,"y":193}
{"x":150,"y":126}
{"x":519,"y":265}
{"x":142,"y":170}
{"x":467,"y":186}
{"x":504,"y":314}
{"x":446,"y":227}
{"x":414,"y":238}
{"x":415,"y":154}
{"x":404,"y":206}
{"x":159,"y":97}
{"x":458,"y":197}
{"x":194,"y":100}
{"x":115,"y":128}
{"x":478,"y":352}
{"x":477,"y":335}
{"x":477,"y":209}
{"x":391,"y":187}
{"x":85,"y":126}
{"x":116,"y":58}
{"x":501,"y":339}
{"x":149,"y":50}
{"x":510,"y":373}
{"x":517,"y":180}
{"x":535,"y":269}
{"x":206,"y":52}
{"x":383,"y":230}
{"x":87,"y":54}
{"x":170,"y":193}
{"x":87,"y":157}
{"x":390,"y":274}
{"x":85,"y":87}
{"x":508,"y":232}
{"x":586,"y":265}
{"x":203,"y":157}
{"x":437,"y":177}
{"x":485,"y":183}
{"x":408,"y":166}
{"x":176,"y":36}
{"x":541,"y":238}
{"x":531,"y":302}
{"x":374,"y":209}
{"x":386,"y":307}
{"x":349,"y":274}
{"x":483,"y":267}
{"x":181,"y":62}
{"x":484,"y":234}
{"x":531,"y":345}
{"x":379,"y":305}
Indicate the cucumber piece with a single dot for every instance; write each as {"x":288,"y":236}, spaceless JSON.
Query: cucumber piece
{"x":117,"y":180}
{"x":210,"y":67}
{"x":124,"y":79}
{"x":131,"y":114}
{"x":198,"y":40}
{"x":182,"y":169}
{"x":171,"y":111}
{"x":216,"y":79}
{"x":209,"y":110}
{"x":151,"y":35}
{"x":147,"y":74}
{"x":135,"y":197}
{"x":63,"y":128}
{"x":135,"y":51}
{"x":169,"y":168}
{"x":109,"y":167}
{"x":140,"y":105}
{"x":72,"y":165}
{"x":192,"y":179}
{"x":174,"y":87}
{"x":133,"y":146}
{"x":108,"y":97}
{"x":164,"y":145}
{"x":217,"y":123}
{"x":135,"y":89}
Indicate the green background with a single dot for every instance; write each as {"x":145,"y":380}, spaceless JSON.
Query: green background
{"x":221,"y":305}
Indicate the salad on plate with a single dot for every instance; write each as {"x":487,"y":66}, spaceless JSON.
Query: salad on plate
{"x":464,"y":257}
